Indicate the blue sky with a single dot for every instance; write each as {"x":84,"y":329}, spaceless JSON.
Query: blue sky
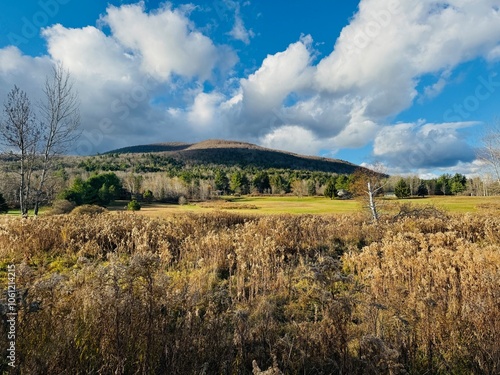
{"x":407,"y":83}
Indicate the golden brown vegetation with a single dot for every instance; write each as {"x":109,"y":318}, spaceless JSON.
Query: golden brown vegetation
{"x":221,"y":293}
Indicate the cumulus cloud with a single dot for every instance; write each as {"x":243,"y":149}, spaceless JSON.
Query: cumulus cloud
{"x":279,"y":75}
{"x":165,"y":40}
{"x":24,"y":71}
{"x":143,"y":79}
{"x":293,"y":138}
{"x":423,"y":145}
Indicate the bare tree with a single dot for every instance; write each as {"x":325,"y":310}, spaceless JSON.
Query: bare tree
{"x":368,"y":184}
{"x":20,"y":134}
{"x":490,"y":152}
{"x":60,"y":120}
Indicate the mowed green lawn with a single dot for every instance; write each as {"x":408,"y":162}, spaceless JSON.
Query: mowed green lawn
{"x":319,"y":205}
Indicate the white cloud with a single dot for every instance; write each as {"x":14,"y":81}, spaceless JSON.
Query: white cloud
{"x":166,"y":41}
{"x":293,"y":138}
{"x":279,"y":75}
{"x":202,"y":114}
{"x":145,"y":76}
{"x":24,"y":71}
{"x":432,"y":91}
{"x":390,"y":44}
{"x":421,"y":145}
{"x":240,"y":32}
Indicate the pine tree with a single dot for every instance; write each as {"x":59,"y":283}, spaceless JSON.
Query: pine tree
{"x":402,"y":190}
{"x":221,"y":181}
{"x":330,"y":190}
{"x":422,"y":190}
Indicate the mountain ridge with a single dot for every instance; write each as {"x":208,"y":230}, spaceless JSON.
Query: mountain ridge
{"x":228,"y":152}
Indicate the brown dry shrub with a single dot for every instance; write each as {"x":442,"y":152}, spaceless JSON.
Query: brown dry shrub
{"x":88,"y":209}
{"x":210,"y":293}
{"x":62,"y":206}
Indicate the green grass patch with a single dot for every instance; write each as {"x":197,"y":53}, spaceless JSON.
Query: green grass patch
{"x":277,"y":205}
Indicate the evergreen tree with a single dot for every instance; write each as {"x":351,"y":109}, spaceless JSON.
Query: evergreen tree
{"x":148,"y":196}
{"x":261,"y":182}
{"x":422,"y":190}
{"x":443,"y":185}
{"x":311,"y":188}
{"x":458,"y":183}
{"x":279,"y":184}
{"x":221,"y":181}
{"x":99,"y":189}
{"x":402,"y":190}
{"x":330,"y":190}
{"x":342,"y":182}
{"x":236,"y":182}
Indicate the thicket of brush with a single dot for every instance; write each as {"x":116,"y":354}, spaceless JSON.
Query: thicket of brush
{"x":210,"y":294}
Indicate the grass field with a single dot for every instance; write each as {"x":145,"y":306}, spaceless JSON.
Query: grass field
{"x":319,"y":205}
{"x":276,"y":205}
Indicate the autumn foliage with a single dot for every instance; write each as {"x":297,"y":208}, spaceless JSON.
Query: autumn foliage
{"x":226,"y":293}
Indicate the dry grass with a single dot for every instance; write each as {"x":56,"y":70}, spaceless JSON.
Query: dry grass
{"x":212,"y":292}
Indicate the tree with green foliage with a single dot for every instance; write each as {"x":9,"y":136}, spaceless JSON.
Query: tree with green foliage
{"x":443,"y":185}
{"x":261,"y":182}
{"x":311,"y":188}
{"x":458,"y":183}
{"x":402,"y":190}
{"x":330,"y":190}
{"x":239,"y":183}
{"x":342,"y":182}
{"x":279,"y":184}
{"x":99,"y":189}
{"x":148,"y":196}
{"x":221,"y":181}
{"x":422,"y":190}
{"x":186,"y":176}
{"x":457,"y":187}
{"x":3,"y":205}
{"x":133,"y":206}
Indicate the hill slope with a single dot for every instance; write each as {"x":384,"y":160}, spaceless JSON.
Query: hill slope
{"x":222,"y":152}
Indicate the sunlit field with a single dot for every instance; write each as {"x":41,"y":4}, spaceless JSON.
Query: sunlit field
{"x":319,"y":206}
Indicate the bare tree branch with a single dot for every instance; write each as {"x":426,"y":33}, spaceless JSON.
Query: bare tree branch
{"x":490,"y":152}
{"x":20,"y":133}
{"x":60,"y":119}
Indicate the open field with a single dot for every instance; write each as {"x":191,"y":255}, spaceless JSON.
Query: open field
{"x":269,"y":205}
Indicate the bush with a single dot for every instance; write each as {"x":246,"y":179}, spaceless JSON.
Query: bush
{"x":88,"y":209}
{"x":183,"y":200}
{"x":62,"y":206}
{"x":148,"y":196}
{"x":133,"y":206}
{"x":100,"y":189}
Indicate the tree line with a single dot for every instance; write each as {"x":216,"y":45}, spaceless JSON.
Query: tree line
{"x":199,"y":183}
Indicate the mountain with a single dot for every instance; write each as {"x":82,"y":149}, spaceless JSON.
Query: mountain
{"x":222,"y":152}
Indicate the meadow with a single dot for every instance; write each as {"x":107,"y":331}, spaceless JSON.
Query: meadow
{"x":221,"y":291}
{"x":278,"y":205}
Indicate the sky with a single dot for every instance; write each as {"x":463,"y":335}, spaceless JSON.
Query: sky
{"x":409,"y":84}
